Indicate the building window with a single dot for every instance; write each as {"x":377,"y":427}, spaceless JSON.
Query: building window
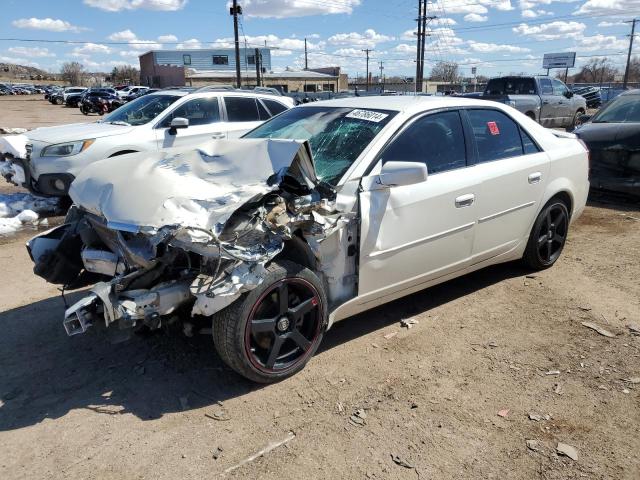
{"x":186,"y":59}
{"x":251,"y":59}
{"x":221,"y":60}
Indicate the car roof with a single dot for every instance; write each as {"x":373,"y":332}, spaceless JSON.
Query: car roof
{"x":631,"y":92}
{"x":401,"y":103}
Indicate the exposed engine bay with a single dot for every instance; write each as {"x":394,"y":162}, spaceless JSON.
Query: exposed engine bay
{"x":164,"y":236}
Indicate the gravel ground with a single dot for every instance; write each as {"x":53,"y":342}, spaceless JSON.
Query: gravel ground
{"x":450,"y":398}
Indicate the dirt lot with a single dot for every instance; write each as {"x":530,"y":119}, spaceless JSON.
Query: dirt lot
{"x":165,"y":407}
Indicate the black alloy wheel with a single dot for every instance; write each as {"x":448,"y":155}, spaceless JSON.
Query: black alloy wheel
{"x":548,"y":236}
{"x":271,"y":332}
{"x":282,"y":325}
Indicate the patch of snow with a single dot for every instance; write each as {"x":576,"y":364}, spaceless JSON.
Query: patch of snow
{"x":13,"y":224}
{"x":11,"y":204}
{"x":14,"y":145}
{"x":18,"y":209}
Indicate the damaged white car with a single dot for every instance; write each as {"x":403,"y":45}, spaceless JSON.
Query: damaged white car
{"x":324,"y":211}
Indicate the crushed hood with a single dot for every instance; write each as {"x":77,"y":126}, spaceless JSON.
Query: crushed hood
{"x":198,"y":188}
{"x":76,"y":131}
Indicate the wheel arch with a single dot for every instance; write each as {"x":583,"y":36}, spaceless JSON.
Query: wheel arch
{"x":122,"y":152}
{"x":298,"y":251}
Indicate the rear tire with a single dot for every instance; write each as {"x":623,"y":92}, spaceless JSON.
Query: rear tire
{"x":548,"y":236}
{"x":271,"y":332}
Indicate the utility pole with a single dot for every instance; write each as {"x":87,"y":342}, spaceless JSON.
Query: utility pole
{"x":258,"y":66}
{"x":422,"y":40}
{"x":367,"y":50}
{"x":419,"y":45}
{"x":306,"y":59}
{"x":626,"y":70}
{"x":381,"y":81}
{"x":236,"y":10}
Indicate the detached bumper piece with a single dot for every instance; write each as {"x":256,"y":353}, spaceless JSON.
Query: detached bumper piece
{"x":126,"y":309}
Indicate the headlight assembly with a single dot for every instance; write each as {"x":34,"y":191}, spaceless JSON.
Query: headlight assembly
{"x":66,"y":149}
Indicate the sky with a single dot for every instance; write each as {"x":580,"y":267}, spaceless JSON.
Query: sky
{"x":495,"y":36}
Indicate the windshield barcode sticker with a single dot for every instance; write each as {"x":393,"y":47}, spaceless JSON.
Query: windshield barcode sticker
{"x":367,"y":115}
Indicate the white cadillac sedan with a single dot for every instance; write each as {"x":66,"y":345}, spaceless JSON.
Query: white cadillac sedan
{"x":325,"y":211}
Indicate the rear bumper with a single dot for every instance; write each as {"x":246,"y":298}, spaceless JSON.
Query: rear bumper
{"x":628,"y":186}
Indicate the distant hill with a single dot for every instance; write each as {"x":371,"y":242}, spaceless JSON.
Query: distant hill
{"x":10,"y":70}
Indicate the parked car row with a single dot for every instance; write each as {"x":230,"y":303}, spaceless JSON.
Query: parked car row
{"x":163,"y":119}
{"x":20,"y":89}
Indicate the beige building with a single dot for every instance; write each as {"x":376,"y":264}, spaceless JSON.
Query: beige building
{"x":288,"y":81}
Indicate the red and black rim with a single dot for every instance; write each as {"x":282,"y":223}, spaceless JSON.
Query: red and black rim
{"x":283,"y":325}
{"x":552,"y":233}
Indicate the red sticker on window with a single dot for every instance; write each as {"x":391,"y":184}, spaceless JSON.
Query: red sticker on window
{"x":493,"y":128}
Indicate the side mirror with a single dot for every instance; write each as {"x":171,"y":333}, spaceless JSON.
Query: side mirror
{"x":403,"y":173}
{"x":177,"y":123}
{"x":568,"y":94}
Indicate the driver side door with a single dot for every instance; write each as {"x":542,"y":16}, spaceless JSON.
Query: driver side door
{"x":413,"y":234}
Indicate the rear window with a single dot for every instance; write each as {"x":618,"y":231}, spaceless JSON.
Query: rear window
{"x":242,"y":109}
{"x":497,"y":136}
{"x":511,"y":86}
{"x":274,"y":107}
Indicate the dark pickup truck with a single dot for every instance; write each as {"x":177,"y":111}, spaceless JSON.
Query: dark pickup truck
{"x":546,"y":100}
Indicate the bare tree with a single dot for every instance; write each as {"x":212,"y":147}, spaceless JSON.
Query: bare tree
{"x":597,"y":70}
{"x":634,"y":69}
{"x":445,"y":72}
{"x":72,"y":72}
{"x":125,"y":74}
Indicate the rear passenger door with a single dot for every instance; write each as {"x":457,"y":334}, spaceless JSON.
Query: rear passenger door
{"x":513,"y":172}
{"x":243,"y":114}
{"x":548,"y":103}
{"x":564,"y":112}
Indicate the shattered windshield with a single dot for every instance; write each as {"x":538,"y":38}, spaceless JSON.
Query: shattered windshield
{"x":140,"y":111}
{"x":624,"y":109}
{"x":337,"y":135}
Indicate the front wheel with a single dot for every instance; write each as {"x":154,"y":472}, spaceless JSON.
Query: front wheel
{"x":271,"y":332}
{"x":84,"y":110}
{"x":548,"y":236}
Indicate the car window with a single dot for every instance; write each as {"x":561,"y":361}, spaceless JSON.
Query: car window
{"x":264,"y":113}
{"x":274,"y":107}
{"x":623,"y":109}
{"x":545,"y":86}
{"x":436,"y":140}
{"x":559,"y":88}
{"x":241,"y":109}
{"x":497,"y":136}
{"x":528,"y":145}
{"x":141,"y":110}
{"x":511,"y":86}
{"x":199,"y":111}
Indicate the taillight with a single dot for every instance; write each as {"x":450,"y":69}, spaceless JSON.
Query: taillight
{"x":588,"y":153}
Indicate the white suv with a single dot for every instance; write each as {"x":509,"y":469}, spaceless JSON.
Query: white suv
{"x":165,"y":119}
{"x":72,"y":91}
{"x":126,"y":91}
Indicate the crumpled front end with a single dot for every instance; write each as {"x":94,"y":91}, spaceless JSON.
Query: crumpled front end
{"x":160,"y":237}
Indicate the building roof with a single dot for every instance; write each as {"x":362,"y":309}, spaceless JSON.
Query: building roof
{"x":298,"y":74}
{"x":210,"y":49}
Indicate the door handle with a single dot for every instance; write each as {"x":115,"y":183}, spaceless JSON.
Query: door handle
{"x":218,"y":135}
{"x":545,"y":103}
{"x":535,"y":177}
{"x":465,"y":200}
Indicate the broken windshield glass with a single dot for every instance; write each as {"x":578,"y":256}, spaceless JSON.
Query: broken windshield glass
{"x":337,"y":136}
